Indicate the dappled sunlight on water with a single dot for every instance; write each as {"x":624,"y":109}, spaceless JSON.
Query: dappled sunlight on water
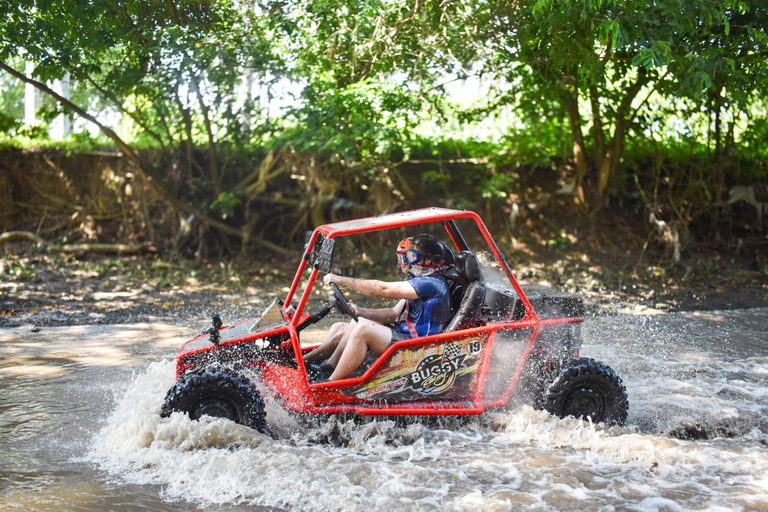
{"x":92,"y":436}
{"x":52,"y":351}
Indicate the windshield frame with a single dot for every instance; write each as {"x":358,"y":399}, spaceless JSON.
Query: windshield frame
{"x":397,"y":220}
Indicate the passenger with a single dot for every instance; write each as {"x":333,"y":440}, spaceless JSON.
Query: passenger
{"x":424,"y":309}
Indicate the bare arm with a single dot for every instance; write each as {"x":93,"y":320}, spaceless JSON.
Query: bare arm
{"x":381,"y":315}
{"x":374,"y":287}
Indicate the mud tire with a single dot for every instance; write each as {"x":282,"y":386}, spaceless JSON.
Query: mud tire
{"x":587,"y":388}
{"x":536,"y":375}
{"x":217,"y":393}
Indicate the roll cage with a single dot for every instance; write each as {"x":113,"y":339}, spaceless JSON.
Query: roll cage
{"x":461,"y":371}
{"x":447,"y":218}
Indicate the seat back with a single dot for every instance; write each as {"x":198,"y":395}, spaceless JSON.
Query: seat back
{"x":468,"y":267}
{"x":465,"y":270}
{"x":468,"y":313}
{"x":467,"y":292}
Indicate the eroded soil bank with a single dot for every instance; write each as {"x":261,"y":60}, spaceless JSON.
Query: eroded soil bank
{"x":615,"y":256}
{"x":46,"y":290}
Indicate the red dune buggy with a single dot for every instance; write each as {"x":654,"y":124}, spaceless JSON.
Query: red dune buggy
{"x":504,"y":343}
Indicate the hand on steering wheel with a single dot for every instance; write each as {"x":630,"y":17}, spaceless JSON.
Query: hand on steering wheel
{"x":341,"y":304}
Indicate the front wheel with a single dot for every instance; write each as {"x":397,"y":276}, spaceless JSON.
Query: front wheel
{"x":587,"y":389}
{"x":217,"y":393}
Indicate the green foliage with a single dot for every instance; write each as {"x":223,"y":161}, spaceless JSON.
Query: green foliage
{"x":8,"y":123}
{"x":561,"y":241}
{"x":11,"y":104}
{"x":18,"y":269}
{"x":753,"y":147}
{"x":311,"y":109}
{"x":226,"y":203}
{"x":363,"y":121}
{"x":495,"y":186}
{"x":607,"y":65}
{"x":172,"y":70}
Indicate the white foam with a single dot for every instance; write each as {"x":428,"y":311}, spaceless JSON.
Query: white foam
{"x":504,"y":461}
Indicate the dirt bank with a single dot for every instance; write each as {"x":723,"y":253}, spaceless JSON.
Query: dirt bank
{"x":45,"y":290}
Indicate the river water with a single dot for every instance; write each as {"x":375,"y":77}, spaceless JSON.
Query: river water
{"x":80,"y":430}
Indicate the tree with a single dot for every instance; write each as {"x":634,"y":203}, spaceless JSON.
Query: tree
{"x":173,"y":68}
{"x":369,"y":68}
{"x":612,"y":56}
{"x":601,"y":75}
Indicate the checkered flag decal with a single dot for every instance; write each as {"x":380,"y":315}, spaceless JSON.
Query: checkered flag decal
{"x":452,"y":351}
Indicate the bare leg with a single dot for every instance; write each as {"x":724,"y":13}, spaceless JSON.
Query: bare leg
{"x":365,"y":335}
{"x":332,"y":339}
{"x":334,"y":359}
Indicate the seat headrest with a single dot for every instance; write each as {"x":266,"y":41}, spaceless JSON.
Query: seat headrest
{"x":448,"y":259}
{"x":468,"y":267}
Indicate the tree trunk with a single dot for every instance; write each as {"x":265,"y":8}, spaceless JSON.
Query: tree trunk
{"x":611,"y":158}
{"x":615,"y":148}
{"x":213,"y":158}
{"x":579,"y":151}
{"x":597,"y":126}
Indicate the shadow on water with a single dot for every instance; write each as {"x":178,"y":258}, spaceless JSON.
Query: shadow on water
{"x":57,"y":387}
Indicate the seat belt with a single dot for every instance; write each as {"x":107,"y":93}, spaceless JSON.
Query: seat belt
{"x":408,"y":321}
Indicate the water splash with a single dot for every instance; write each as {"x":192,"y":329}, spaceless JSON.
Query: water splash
{"x":683,"y":372}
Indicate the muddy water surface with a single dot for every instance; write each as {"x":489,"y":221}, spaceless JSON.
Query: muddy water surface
{"x":80,"y":430}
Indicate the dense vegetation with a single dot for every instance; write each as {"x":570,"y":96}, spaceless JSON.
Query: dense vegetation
{"x":246,"y":122}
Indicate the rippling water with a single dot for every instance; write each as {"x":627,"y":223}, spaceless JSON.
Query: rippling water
{"x":80,"y":430}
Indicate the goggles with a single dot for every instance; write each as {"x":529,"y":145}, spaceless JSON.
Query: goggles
{"x":408,"y":257}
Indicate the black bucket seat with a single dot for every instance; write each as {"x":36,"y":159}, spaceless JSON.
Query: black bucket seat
{"x":467,"y":292}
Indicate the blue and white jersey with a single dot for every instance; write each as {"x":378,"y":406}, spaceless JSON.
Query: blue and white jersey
{"x":431,"y":311}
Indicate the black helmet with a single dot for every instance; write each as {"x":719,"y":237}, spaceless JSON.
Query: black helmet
{"x":430,"y":249}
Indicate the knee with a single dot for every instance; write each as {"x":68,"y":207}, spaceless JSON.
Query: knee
{"x":357,"y":334}
{"x":333,"y":332}
{"x":362,"y":331}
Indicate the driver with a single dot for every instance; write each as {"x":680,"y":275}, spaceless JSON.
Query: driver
{"x":424,"y":308}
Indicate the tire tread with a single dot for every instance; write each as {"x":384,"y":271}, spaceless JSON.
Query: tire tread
{"x":204,"y":380}
{"x":555,"y":389}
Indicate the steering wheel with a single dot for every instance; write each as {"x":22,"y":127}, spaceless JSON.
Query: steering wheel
{"x":341,"y":304}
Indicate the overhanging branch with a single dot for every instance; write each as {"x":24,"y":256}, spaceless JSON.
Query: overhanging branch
{"x":122,"y":146}
{"x":149,"y":175}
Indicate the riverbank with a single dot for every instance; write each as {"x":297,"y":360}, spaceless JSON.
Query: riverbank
{"x":48,"y":290}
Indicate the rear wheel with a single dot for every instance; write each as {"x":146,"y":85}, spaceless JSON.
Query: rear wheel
{"x":587,"y":389}
{"x":537,"y":373}
{"x":217,"y":393}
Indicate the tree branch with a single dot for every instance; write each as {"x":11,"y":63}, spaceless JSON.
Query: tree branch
{"x":212,"y":153}
{"x":127,"y":150}
{"x":149,"y":175}
{"x":26,"y":236}
{"x":132,"y":115}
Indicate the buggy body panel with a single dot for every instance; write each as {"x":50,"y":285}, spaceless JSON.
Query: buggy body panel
{"x":462,"y":372}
